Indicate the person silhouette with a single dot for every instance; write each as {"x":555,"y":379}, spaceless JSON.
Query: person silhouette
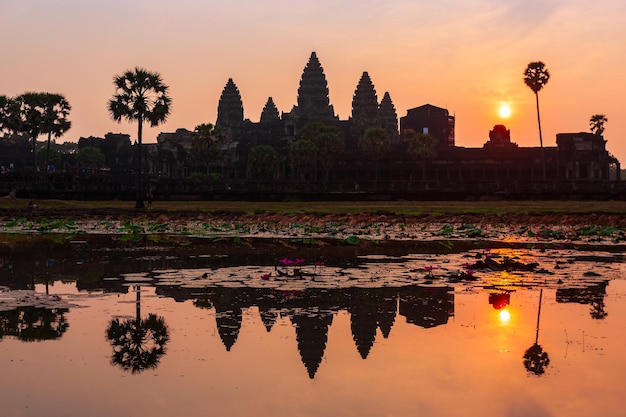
{"x":150,"y":198}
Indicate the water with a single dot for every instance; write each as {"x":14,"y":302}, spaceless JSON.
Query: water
{"x":373,"y":335}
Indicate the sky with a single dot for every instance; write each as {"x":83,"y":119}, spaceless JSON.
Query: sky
{"x":467,"y":56}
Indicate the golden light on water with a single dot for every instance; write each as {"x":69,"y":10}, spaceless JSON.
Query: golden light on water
{"x":505,"y":316}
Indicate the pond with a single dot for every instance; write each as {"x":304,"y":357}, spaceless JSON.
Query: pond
{"x":509,"y":330}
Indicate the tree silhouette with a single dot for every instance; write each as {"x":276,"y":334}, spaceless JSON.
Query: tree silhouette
{"x":596,"y":123}
{"x":535,"y":359}
{"x":423,"y":147}
{"x":375,"y":144}
{"x":535,"y":77}
{"x":4,"y":109}
{"x":597,"y":310}
{"x":207,"y":140}
{"x":90,"y":157}
{"x":329,"y":141}
{"x":138,"y":344}
{"x":263,"y":161}
{"x":303,"y":154}
{"x":29,"y":113}
{"x":140,"y":96}
{"x":33,"y":324}
{"x":57,"y":109}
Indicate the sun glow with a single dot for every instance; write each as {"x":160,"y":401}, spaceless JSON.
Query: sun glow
{"x":505,"y":110}
{"x":505,"y":316}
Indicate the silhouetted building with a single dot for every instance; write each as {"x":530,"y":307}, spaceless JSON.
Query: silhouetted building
{"x":431,"y":120}
{"x":583,"y":156}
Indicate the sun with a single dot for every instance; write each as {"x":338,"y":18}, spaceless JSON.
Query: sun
{"x":505,"y":110}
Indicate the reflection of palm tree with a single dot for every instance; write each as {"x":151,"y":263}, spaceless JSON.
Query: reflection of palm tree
{"x":535,"y":359}
{"x":138,"y":344}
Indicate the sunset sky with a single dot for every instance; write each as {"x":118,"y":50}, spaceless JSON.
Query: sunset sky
{"x":465,"y":55}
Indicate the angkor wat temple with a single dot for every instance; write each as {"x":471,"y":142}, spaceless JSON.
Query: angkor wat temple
{"x":579,"y":165}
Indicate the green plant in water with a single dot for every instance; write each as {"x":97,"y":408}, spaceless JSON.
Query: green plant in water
{"x":15,"y":222}
{"x":128,"y":227}
{"x":445,"y":230}
{"x":353,"y":240}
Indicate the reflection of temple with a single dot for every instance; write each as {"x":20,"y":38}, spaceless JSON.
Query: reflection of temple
{"x":499,"y":300}
{"x":228,"y":315}
{"x":369,"y":310}
{"x":592,"y":294}
{"x":312,"y":335}
{"x":427,"y":306}
{"x":311,"y":312}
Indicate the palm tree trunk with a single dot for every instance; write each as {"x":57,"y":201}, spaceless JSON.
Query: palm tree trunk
{"x":139,"y":203}
{"x":34,"y":136}
{"x":543,"y":159}
{"x":538,"y":315}
{"x":48,"y":153}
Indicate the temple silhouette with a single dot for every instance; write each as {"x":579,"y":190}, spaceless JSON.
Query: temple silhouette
{"x":579,"y":164}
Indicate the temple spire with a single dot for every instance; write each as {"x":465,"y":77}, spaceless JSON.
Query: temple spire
{"x":313,"y":101}
{"x":230,"y":107}
{"x":388,"y":118}
{"x":365,"y":104}
{"x":270,"y":112}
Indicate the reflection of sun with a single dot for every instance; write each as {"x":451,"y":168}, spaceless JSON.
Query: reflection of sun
{"x":505,"y":316}
{"x":505,"y":110}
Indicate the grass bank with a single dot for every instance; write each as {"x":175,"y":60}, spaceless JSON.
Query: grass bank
{"x":395,"y":207}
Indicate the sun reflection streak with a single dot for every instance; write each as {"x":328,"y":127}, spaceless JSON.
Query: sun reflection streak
{"x":505,"y":316}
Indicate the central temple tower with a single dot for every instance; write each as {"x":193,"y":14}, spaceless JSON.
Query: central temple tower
{"x":313,"y":102}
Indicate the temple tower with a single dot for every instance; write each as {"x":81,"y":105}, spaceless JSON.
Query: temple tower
{"x":230,"y":107}
{"x":313,"y":102}
{"x":365,"y":104}
{"x":270,"y":112}
{"x":388,"y":118}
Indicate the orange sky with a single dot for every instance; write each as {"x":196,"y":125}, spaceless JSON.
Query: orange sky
{"x":465,"y":56}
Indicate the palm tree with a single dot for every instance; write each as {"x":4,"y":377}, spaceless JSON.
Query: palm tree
{"x":535,"y":77}
{"x":207,"y":140}
{"x":596,"y":122}
{"x":423,"y":146}
{"x":140,"y":96}
{"x":57,"y":109}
